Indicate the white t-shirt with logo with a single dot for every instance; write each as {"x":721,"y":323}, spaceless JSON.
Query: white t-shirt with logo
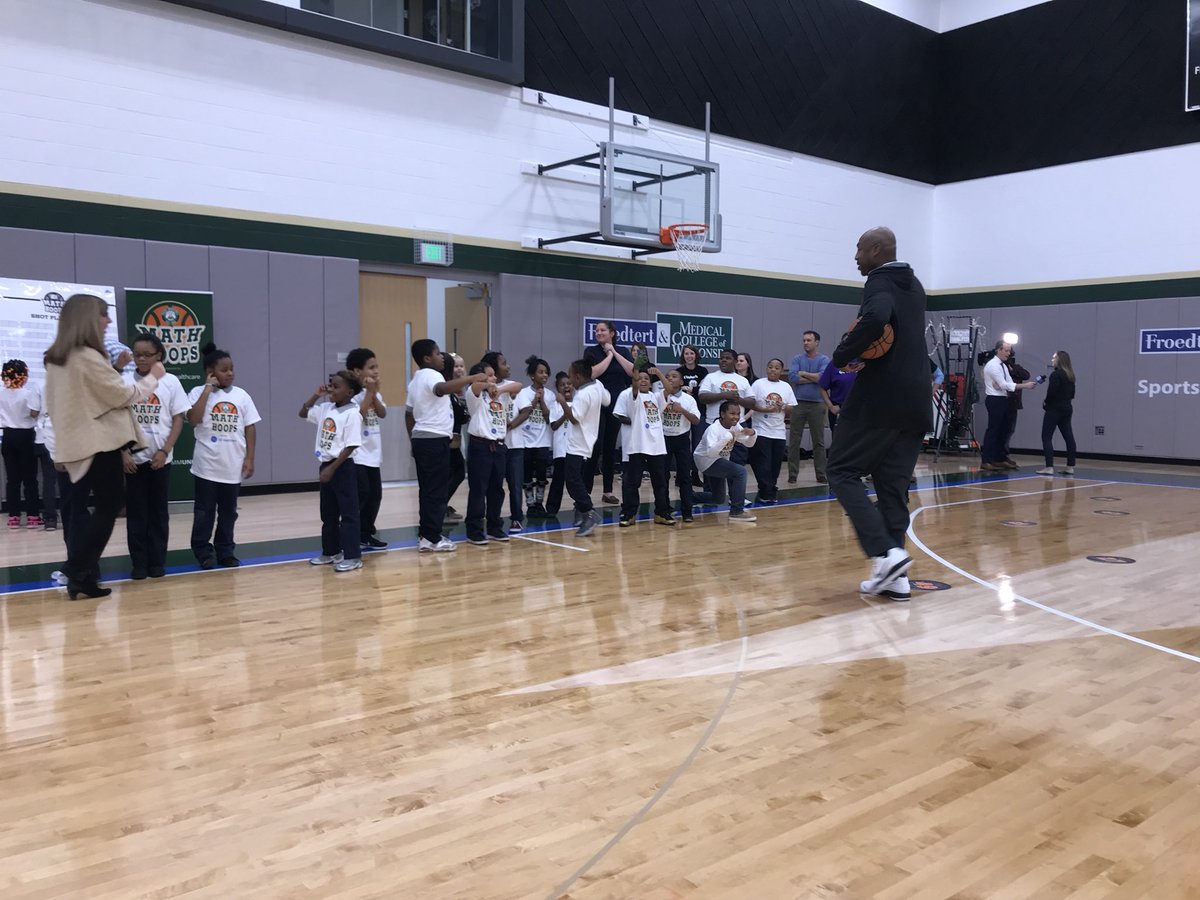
{"x":562,"y":434}
{"x":489,"y":415}
{"x":718,"y":442}
{"x":370,"y":451}
{"x":17,"y":405}
{"x":432,"y":414}
{"x":675,"y":424}
{"x":157,"y":412}
{"x":221,"y":434}
{"x":338,"y":427}
{"x":516,"y":404}
{"x":766,"y":393}
{"x":719,"y":382}
{"x":644,"y":433}
{"x":534,"y":431}
{"x":589,"y":398}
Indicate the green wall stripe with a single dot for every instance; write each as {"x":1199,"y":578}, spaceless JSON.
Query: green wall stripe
{"x":55,"y":214}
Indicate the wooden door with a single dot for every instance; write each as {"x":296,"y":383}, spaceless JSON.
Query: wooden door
{"x":391,"y":315}
{"x":467,"y":322}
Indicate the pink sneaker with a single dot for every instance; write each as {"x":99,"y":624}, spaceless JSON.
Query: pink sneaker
{"x":33,"y":522}
{"x":14,"y":521}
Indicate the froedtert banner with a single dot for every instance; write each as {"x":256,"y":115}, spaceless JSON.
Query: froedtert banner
{"x":183,"y":322}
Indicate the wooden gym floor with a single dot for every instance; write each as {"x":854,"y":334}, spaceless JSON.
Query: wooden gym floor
{"x":656,"y":713}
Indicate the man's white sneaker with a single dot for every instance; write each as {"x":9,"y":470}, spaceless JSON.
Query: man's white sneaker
{"x":324,"y":560}
{"x":424,"y":545}
{"x":445,"y":545}
{"x":1069,"y":470}
{"x":347,"y":565}
{"x":888,"y":568}
{"x":744,"y":517}
{"x":899,"y":590}
{"x":1046,"y":471}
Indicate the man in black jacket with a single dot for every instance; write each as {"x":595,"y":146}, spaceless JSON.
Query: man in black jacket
{"x":887,"y":414}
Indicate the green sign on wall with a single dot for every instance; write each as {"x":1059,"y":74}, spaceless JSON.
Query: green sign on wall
{"x":708,"y":334}
{"x":183,"y":322}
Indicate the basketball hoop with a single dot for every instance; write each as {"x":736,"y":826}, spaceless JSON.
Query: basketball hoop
{"x":688,"y":241}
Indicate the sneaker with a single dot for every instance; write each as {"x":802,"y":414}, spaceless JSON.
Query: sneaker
{"x":14,"y":522}
{"x":229,"y":562}
{"x":588,"y":523}
{"x":748,"y":503}
{"x":821,"y":479}
{"x":888,"y":569}
{"x":478,"y":541}
{"x":1046,"y":471}
{"x":347,"y":565}
{"x":374,"y":543}
{"x":515,"y":527}
{"x":627,"y":523}
{"x":1068,"y":470}
{"x":453,"y":516}
{"x":33,"y":522}
{"x":610,"y":499}
{"x":50,"y":526}
{"x":663,"y":520}
{"x":1008,"y":464}
{"x":501,"y":536}
{"x":899,"y":591}
{"x":207,"y":564}
{"x":688,"y":520}
{"x":742,"y":517}
{"x":445,"y":545}
{"x":424,"y":545}
{"x":791,"y":479}
{"x":321,"y":560}
{"x":59,"y":578}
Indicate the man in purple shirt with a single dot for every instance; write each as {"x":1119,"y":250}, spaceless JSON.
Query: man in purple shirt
{"x":835,"y":388}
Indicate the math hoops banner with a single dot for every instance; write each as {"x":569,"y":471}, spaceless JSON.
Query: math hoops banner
{"x":183,"y":322}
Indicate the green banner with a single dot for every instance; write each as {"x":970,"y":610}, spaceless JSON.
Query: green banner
{"x":708,"y":334}
{"x":183,"y":322}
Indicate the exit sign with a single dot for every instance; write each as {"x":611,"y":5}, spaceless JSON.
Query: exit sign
{"x":433,"y":253}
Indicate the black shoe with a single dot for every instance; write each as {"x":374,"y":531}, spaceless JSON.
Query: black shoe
{"x":688,"y":520}
{"x":156,"y":572}
{"x":208,"y":563}
{"x":501,"y":536}
{"x":374,"y":543}
{"x":138,"y":574}
{"x":229,"y":562}
{"x":91,"y":591}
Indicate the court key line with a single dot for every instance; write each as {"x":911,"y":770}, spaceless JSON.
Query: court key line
{"x":525,"y":537}
{"x":1087,"y":623}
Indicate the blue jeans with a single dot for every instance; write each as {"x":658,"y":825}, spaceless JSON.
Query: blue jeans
{"x":215,"y":502}
{"x":722,"y":473}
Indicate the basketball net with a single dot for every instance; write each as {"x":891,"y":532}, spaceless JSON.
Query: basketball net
{"x":688,"y":241}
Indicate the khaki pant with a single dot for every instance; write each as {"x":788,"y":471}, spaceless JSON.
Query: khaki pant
{"x":810,"y":414}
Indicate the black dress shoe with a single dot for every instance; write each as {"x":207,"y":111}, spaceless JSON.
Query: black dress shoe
{"x":86,"y":591}
{"x":138,"y":574}
{"x":156,"y":572}
{"x":209,"y":563}
{"x":229,"y":562}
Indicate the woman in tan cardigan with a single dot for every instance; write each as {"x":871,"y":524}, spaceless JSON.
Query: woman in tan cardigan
{"x":88,"y":403}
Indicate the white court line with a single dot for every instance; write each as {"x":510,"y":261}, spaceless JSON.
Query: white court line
{"x":1087,"y":623}
{"x":522,"y":537}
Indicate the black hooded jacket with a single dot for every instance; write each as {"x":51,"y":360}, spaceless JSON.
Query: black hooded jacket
{"x":892,"y":391}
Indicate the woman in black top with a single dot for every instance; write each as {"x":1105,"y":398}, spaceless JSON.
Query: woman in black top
{"x":693,"y":373}
{"x":1057,"y":405}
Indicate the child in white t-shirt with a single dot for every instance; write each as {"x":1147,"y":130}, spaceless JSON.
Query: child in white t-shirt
{"x":712,"y":459}
{"x":148,"y":471}
{"x":514,"y":452}
{"x":561,"y":425}
{"x":584,"y":415}
{"x":368,"y":458}
{"x":224,"y":417}
{"x":20,"y":404}
{"x":339,"y":435}
{"x":680,"y":413}
{"x":773,"y":402}
{"x":486,"y":456}
{"x":531,"y":432}
{"x":641,"y":408}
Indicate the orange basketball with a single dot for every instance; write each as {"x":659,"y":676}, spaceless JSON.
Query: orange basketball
{"x":879,"y":347}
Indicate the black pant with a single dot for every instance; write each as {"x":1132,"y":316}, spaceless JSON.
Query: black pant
{"x":432,"y":458}
{"x":514,"y":474}
{"x":66,"y":491}
{"x":146,"y":518}
{"x":558,"y":478}
{"x":485,"y":487}
{"x":537,"y":465}
{"x":49,"y":485}
{"x":20,"y":471}
{"x":997,"y":429}
{"x":631,"y":484}
{"x":370,"y":497}
{"x":679,"y":449}
{"x":889,"y":456}
{"x":90,"y":530}
{"x":215,"y":502}
{"x":604,"y":454}
{"x":458,"y":471}
{"x":339,"y":511}
{"x":576,"y":487}
{"x":1060,"y":419}
{"x":1010,"y":426}
{"x":766,"y":458}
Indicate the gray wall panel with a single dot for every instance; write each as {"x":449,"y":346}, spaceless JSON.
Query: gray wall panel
{"x":37,"y":255}
{"x":297,"y":360}
{"x":1187,"y":421}
{"x":1153,"y":419}
{"x":178,"y":267}
{"x":120,"y":262}
{"x":240,"y":280}
{"x":341,"y":308}
{"x":1112,"y":379}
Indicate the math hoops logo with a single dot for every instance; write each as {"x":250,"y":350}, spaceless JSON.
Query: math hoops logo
{"x":178,"y":328}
